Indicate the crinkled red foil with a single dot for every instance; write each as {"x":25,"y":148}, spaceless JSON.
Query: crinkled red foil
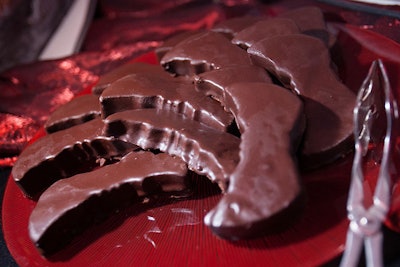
{"x":31,"y":92}
{"x":130,"y":30}
{"x":143,"y":8}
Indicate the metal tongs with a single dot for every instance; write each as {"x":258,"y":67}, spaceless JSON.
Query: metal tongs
{"x":374,"y":122}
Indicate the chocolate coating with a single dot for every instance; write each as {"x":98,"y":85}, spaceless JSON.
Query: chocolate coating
{"x":124,"y":70}
{"x":265,"y":187}
{"x":144,"y":90}
{"x":302,"y":63}
{"x":265,"y":29}
{"x":213,"y":82}
{"x":310,"y":21}
{"x":203,"y":52}
{"x":79,"y":110}
{"x":232,"y":26}
{"x":168,"y":44}
{"x":63,"y":154}
{"x":307,"y":17}
{"x":58,"y":217}
{"x":206,"y":151}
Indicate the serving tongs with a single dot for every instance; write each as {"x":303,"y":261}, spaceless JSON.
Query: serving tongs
{"x":374,"y":125}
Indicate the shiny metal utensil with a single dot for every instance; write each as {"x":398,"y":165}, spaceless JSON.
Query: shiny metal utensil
{"x":374,"y":117}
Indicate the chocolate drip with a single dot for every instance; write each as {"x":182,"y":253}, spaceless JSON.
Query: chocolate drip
{"x":63,"y":154}
{"x":206,"y":151}
{"x":302,"y":63}
{"x":57,"y":217}
{"x":265,"y":187}
{"x":139,"y":91}
{"x":79,"y":110}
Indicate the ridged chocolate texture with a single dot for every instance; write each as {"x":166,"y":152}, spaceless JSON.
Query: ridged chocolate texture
{"x":203,"y":52}
{"x":79,"y":110}
{"x":63,"y":154}
{"x":303,"y":64}
{"x":138,"y":91}
{"x":72,"y":205}
{"x":124,"y":70}
{"x":213,"y":82}
{"x":265,"y":191}
{"x":310,"y":21}
{"x":206,"y":151}
{"x":265,"y":29}
{"x":232,"y":26}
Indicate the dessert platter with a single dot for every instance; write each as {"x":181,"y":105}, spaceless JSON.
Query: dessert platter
{"x":163,"y":174}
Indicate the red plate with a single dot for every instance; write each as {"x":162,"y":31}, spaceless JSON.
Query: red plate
{"x":172,"y":233}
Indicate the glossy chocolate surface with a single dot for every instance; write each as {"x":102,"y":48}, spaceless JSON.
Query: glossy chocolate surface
{"x":146,"y":90}
{"x":213,"y":82}
{"x":206,"y":151}
{"x":171,"y":42}
{"x":58,"y":217}
{"x":310,"y":21}
{"x":124,"y":70}
{"x":265,"y":29}
{"x":63,"y":154}
{"x":303,"y":64}
{"x":203,"y":52}
{"x":307,"y":17}
{"x":232,"y":26}
{"x":266,"y":184}
{"x":79,"y":110}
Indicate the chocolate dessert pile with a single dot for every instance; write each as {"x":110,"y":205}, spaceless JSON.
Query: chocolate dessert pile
{"x":246,"y":105}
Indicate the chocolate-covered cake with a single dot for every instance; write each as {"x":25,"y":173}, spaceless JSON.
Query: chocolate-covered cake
{"x":65,"y":153}
{"x":58,"y":217}
{"x":265,"y":188}
{"x":246,"y":105}
{"x":79,"y":110}
{"x":149,"y":91}
{"x":207,"y":151}
{"x":302,"y":63}
{"x":203,"y":52}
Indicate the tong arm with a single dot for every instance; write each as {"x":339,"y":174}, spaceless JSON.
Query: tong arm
{"x":374,"y":116}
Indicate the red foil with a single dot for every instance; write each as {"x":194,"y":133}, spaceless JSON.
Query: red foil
{"x":131,"y":30}
{"x":31,"y":92}
{"x":143,"y":8}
